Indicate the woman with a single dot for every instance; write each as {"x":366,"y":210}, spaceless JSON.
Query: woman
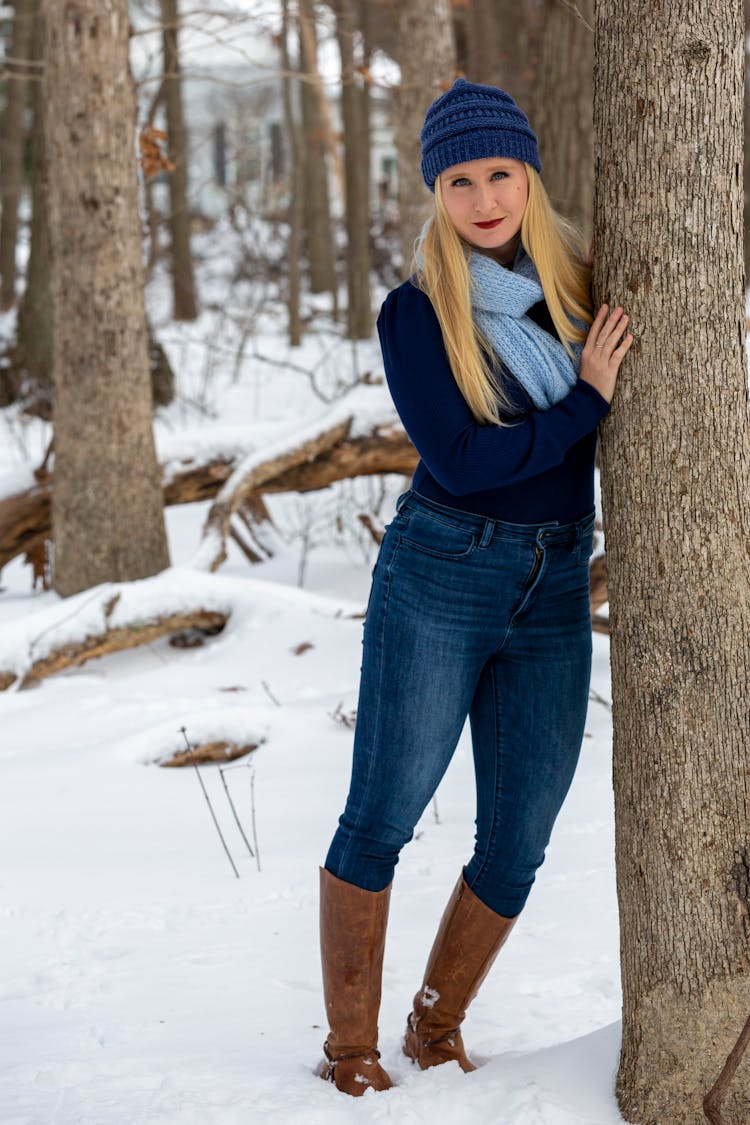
{"x":479,"y":604}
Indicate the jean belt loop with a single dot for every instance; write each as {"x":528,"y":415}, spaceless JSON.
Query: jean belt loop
{"x":487,"y":533}
{"x":402,"y":499}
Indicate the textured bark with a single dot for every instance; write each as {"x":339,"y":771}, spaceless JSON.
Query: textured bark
{"x":107,"y":505}
{"x":563,"y":109}
{"x":676,"y":481}
{"x":747,"y":147}
{"x":356,"y":145}
{"x":318,"y":230}
{"x":424,"y":74}
{"x":12,"y":144}
{"x":34,"y":335}
{"x":185,"y":304}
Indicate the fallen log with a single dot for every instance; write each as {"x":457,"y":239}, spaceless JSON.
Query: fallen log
{"x":26,"y":517}
{"x":110,"y":618}
{"x":222,"y":751}
{"x":114,"y":640}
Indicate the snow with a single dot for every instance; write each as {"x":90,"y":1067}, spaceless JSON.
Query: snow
{"x":142,"y":981}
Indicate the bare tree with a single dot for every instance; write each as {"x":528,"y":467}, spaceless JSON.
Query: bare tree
{"x":676,"y":481}
{"x":423,"y":74}
{"x":356,"y":162}
{"x":494,"y":40}
{"x":12,"y":133}
{"x":185,"y":304}
{"x":563,"y":108}
{"x":107,"y":506}
{"x":294,"y":243}
{"x":34,"y":333}
{"x":318,"y":232}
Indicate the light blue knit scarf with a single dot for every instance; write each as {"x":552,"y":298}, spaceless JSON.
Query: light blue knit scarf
{"x":500,"y":298}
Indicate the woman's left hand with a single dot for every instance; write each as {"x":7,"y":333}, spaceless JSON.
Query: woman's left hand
{"x":605,"y":348}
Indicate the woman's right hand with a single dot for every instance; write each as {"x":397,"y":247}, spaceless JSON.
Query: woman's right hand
{"x":604,"y":350}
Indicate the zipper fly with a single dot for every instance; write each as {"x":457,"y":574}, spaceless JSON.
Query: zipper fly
{"x":538,"y":554}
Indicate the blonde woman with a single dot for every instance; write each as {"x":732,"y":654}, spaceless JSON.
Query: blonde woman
{"x":479,"y":603}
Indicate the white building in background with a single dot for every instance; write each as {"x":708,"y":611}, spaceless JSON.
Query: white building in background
{"x":238,"y":148}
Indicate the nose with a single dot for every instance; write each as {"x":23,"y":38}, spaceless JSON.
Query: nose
{"x":483,"y":199}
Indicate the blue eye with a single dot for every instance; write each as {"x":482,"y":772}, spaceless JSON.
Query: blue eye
{"x":459,"y":181}
{"x":498,"y":173}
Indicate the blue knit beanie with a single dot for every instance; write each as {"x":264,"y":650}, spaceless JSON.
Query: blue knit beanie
{"x":470,"y":122}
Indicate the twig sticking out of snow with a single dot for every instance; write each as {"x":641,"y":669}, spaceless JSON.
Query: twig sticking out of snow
{"x":269,"y":693}
{"x":183,"y":732}
{"x":715,"y":1096}
{"x":252,"y":813}
{"x":234,"y":813}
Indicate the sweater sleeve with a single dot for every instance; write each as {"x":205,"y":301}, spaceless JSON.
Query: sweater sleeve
{"x":462,"y":455}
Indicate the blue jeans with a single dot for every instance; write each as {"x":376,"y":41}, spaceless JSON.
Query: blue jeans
{"x":469,"y":616}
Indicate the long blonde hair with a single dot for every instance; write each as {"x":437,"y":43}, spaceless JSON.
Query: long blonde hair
{"x":557,"y":250}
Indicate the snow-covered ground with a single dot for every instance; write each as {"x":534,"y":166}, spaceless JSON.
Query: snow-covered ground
{"x":142,"y":983}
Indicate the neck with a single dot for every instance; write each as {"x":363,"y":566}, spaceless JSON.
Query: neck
{"x":506,"y":253}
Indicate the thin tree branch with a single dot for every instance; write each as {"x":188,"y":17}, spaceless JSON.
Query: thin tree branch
{"x":717,"y":1093}
{"x":577,"y":13}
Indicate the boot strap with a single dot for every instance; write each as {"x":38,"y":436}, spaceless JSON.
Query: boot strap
{"x":354,"y":1055}
{"x":441,"y":1038}
{"x":414,"y":1025}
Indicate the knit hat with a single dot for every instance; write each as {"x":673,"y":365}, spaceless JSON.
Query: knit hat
{"x":470,"y":122}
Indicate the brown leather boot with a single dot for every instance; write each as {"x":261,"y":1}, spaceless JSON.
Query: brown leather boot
{"x":352,"y":940}
{"x":468,"y":940}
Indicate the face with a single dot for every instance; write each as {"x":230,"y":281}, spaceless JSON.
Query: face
{"x":485,"y":201}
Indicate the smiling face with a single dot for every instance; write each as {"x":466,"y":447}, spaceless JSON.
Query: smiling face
{"x":485,"y":201}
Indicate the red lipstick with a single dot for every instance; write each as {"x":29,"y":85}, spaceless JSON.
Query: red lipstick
{"x":489,"y":225}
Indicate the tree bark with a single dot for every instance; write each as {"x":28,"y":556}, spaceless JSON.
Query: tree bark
{"x":107,"y":507}
{"x":185,"y":303}
{"x":12,"y":134}
{"x":318,"y":231}
{"x":34,"y":334}
{"x":747,"y":147}
{"x":356,"y":144}
{"x":676,"y":481}
{"x":424,"y":74}
{"x":563,"y":109}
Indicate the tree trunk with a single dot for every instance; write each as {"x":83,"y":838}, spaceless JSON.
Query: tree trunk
{"x":563,"y":109}
{"x":747,"y":147}
{"x":493,"y":40}
{"x":34,"y":334}
{"x":294,"y":242}
{"x":356,"y":145}
{"x":108,"y":524}
{"x":12,"y":146}
{"x":318,"y":231}
{"x":424,"y":73}
{"x":676,"y":481}
{"x":183,"y":282}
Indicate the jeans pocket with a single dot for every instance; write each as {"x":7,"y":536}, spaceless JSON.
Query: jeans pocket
{"x":433,"y":536}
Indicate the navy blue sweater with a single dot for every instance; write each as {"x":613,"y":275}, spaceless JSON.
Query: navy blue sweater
{"x":538,"y":469}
